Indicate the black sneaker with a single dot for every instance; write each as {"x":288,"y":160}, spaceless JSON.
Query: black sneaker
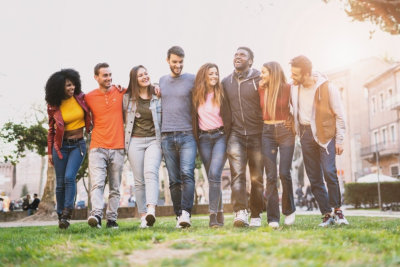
{"x":220,"y":218}
{"x":112,"y":224}
{"x":213,"y":221}
{"x":94,"y":221}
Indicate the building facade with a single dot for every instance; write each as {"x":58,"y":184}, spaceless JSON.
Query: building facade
{"x":382,"y":149}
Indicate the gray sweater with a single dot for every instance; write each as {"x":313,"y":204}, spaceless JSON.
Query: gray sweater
{"x":176,"y":98}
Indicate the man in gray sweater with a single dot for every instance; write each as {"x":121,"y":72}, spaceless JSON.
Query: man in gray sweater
{"x":178,"y":143}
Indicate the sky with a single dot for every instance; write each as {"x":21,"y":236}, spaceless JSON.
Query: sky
{"x":40,"y":37}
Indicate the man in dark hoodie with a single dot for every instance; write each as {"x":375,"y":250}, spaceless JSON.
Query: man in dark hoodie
{"x":244,"y":143}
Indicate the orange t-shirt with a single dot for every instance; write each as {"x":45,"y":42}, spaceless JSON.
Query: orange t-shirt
{"x":108,"y":124}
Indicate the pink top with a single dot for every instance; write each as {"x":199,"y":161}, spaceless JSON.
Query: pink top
{"x":209,"y":117}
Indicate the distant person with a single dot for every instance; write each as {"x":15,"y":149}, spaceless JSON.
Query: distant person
{"x":310,"y":199}
{"x":142,"y":111}
{"x":34,"y":205}
{"x":244,"y":142}
{"x":210,"y":122}
{"x":300,"y":194}
{"x":1,"y":204}
{"x":178,"y":143}
{"x":68,"y":117}
{"x":106,"y":155}
{"x":277,"y":137}
{"x":6,"y":202}
{"x":26,"y":202}
{"x":319,"y":121}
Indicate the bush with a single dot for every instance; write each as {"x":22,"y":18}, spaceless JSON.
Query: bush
{"x":358,"y":194}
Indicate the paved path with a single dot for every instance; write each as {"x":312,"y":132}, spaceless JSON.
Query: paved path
{"x":347,"y":212}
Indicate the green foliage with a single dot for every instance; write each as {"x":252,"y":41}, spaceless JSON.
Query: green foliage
{"x":33,"y":138}
{"x":24,"y":190}
{"x":383,"y":13}
{"x":358,"y":194}
{"x":365,"y":242}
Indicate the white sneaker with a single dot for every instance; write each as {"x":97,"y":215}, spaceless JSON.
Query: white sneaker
{"x":241,"y":219}
{"x":143,"y":222}
{"x":326,"y":221}
{"x":255,"y":222}
{"x":184,"y":219}
{"x":150,"y":216}
{"x":177,"y":224}
{"x":289,"y":219}
{"x":274,"y":225}
{"x":339,"y":218}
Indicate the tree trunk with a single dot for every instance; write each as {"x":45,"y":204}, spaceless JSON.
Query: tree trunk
{"x":46,"y":207}
{"x":167,"y":193}
{"x":42,"y":167}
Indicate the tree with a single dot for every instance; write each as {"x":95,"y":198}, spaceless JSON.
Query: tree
{"x":383,"y":13}
{"x":33,"y":138}
{"x":24,"y":190}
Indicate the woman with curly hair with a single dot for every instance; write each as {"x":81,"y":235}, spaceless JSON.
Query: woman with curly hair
{"x":66,"y":148}
{"x":277,"y":136}
{"x":211,"y":126}
{"x":142,"y":111}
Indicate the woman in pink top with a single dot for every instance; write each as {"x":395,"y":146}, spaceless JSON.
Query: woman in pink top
{"x":211,"y":113}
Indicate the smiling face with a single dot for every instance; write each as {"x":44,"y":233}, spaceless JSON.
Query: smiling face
{"x":143,"y":78}
{"x":297,"y":77}
{"x":69,"y":89}
{"x":265,"y":75}
{"x":241,"y":60}
{"x":104,"y":78}
{"x":212,"y":77}
{"x":175,"y":64}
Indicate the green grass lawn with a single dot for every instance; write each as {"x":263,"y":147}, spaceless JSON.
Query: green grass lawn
{"x":365,"y":242}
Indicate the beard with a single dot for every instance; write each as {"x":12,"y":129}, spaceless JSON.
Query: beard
{"x":176,"y":71}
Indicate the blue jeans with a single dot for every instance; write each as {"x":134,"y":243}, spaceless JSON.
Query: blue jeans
{"x":66,"y":170}
{"x":212,"y":148}
{"x":276,"y":137}
{"x":321,"y":166}
{"x":179,"y":149}
{"x":242,"y":149}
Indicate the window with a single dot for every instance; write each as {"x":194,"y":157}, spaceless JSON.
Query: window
{"x":382,"y":101}
{"x":392,"y":133}
{"x":384,"y":135}
{"x":394,"y":170}
{"x":390,"y":100}
{"x":373,"y":105}
{"x":375,"y":138}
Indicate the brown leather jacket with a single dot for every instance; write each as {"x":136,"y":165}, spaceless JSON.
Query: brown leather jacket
{"x":56,"y":125}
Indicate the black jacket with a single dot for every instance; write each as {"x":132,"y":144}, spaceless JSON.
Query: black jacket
{"x":244,"y":102}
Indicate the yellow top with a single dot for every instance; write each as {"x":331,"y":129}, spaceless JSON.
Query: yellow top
{"x":272,"y":122}
{"x":72,"y":114}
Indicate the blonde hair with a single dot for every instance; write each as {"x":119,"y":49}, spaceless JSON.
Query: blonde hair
{"x":201,"y":87}
{"x":277,"y":80}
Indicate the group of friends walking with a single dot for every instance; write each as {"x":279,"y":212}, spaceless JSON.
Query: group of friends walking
{"x":247,"y":118}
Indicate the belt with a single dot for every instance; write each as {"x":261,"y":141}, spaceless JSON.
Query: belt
{"x":212,"y":131}
{"x":72,"y":140}
{"x":177,"y":132}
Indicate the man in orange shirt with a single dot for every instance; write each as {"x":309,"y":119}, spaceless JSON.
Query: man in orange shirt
{"x":106,"y":155}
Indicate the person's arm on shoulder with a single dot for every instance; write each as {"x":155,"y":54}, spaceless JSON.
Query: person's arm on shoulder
{"x":337,"y":108}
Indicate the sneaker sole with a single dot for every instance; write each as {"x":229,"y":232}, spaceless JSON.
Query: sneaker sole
{"x":63,"y":225}
{"x":93,"y":223}
{"x":150,"y":219}
{"x":239,"y":224}
{"x":184,"y":224}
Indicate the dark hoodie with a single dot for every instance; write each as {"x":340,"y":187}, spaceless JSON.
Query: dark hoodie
{"x":244,"y":102}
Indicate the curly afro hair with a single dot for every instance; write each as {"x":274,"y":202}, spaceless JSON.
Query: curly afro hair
{"x":55,"y":86}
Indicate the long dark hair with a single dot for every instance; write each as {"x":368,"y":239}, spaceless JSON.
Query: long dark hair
{"x":55,"y":86}
{"x":133,"y":87}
